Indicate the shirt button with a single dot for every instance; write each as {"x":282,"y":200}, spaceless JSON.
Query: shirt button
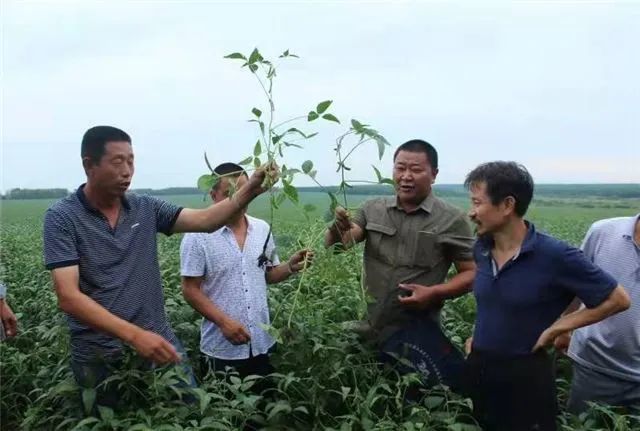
{"x":246,"y":290}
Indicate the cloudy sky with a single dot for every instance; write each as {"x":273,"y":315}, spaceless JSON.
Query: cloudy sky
{"x":553,"y":85}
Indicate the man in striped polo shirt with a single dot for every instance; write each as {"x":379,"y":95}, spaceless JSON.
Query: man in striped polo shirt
{"x":606,"y":355}
{"x":100,"y":245}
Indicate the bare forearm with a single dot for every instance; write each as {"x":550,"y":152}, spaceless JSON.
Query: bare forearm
{"x":203,"y":305}
{"x":617,"y":301}
{"x":346,"y":239}
{"x":96,"y":316}
{"x":215,"y":216}
{"x":278,"y":273}
{"x":574,"y":306}
{"x":457,"y":286}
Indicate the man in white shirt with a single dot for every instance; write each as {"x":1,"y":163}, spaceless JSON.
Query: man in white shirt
{"x":224,"y":278}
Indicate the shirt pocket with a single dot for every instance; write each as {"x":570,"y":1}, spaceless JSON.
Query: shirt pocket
{"x":379,"y":240}
{"x":427,"y":252}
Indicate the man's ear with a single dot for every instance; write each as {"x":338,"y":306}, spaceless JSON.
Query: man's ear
{"x":87,"y":163}
{"x":510,"y":204}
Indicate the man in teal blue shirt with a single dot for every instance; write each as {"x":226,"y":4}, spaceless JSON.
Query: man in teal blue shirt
{"x":524,"y":281}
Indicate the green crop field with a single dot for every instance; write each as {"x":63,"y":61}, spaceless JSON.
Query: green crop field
{"x":326,"y":379}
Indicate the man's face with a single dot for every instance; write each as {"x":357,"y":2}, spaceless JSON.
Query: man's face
{"x":226,"y":187}
{"x":487,"y":217}
{"x":113,"y":173}
{"x":413,"y":176}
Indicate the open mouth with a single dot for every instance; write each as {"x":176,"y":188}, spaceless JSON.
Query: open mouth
{"x":124,"y":185}
{"x":406,"y":188}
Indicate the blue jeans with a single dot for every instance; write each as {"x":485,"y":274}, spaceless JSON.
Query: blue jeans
{"x":422,"y":347}
{"x":90,"y":375}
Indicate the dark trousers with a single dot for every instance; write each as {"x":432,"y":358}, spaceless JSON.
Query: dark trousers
{"x":254,"y":365}
{"x":259,"y":365}
{"x":512,"y":393}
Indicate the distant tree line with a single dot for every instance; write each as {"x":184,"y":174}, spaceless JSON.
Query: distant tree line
{"x":35,"y":194}
{"x":561,"y":191}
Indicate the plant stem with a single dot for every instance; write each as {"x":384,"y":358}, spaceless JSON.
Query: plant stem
{"x":289,"y":121}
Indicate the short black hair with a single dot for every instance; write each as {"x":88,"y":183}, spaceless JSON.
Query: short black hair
{"x":96,"y":138}
{"x":504,"y":179}
{"x":228,"y":169}
{"x":420,"y":146}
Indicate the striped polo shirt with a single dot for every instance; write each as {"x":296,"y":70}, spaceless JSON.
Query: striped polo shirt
{"x":118,"y":266}
{"x":612,"y":346}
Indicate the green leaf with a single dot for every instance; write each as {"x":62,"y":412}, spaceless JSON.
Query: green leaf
{"x":246,"y":161}
{"x":88,"y":399}
{"x":298,"y":131}
{"x":285,"y":54}
{"x":286,"y":172}
{"x":290,"y":191}
{"x":309,"y":208}
{"x":381,"y":179}
{"x":357,"y":126}
{"x":312,"y":116}
{"x":331,"y":117}
{"x":105,"y":413}
{"x":253,"y":68}
{"x":206,"y":182}
{"x":377,"y":173}
{"x":323,"y":106}
{"x":312,"y":174}
{"x":255,"y":56}
{"x":382,"y":144}
{"x":236,"y":55}
{"x":307,"y":166}
{"x":257,"y":149}
{"x":433,"y":402}
{"x":256,"y":162}
{"x":334,"y":202}
{"x":256,"y":112}
{"x":262,"y":127}
{"x":291,"y":144}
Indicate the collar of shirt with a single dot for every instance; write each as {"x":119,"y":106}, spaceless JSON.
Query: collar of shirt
{"x":87,"y":205}
{"x":485,"y":243}
{"x":426,"y":205}
{"x":629,"y":230}
{"x":250,"y":223}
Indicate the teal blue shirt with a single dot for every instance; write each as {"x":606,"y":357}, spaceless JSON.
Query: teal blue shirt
{"x":530,"y":292}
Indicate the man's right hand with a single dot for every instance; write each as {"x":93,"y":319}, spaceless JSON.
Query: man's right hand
{"x":343,"y":221}
{"x":263,"y":178}
{"x":155,"y":348}
{"x":561,"y":343}
{"x":235,"y":332}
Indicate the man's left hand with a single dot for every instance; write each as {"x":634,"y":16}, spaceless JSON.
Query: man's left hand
{"x":419,"y":297}
{"x":300,"y":260}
